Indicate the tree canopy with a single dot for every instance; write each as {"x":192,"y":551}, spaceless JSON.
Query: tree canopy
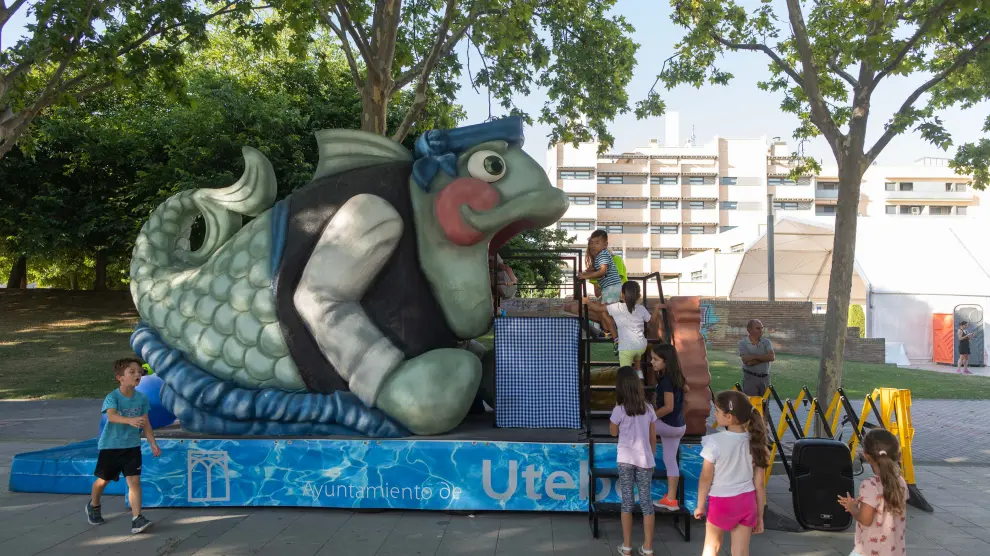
{"x":826,"y":61}
{"x":95,"y":171}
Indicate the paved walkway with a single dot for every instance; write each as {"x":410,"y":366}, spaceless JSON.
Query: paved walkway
{"x":40,"y":524}
{"x":978,"y":371}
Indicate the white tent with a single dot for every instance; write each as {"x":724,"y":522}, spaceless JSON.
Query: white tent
{"x":906,"y":270}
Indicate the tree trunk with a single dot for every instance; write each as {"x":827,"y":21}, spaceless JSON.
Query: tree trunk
{"x":73,"y":280}
{"x":100,"y":284}
{"x":18,"y":274}
{"x":840,"y":278}
{"x":374,"y":104}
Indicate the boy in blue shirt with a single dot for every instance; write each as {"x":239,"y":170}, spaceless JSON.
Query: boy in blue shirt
{"x":120,"y":443}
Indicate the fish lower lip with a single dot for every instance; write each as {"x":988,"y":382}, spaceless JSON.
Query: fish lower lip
{"x":536,"y":207}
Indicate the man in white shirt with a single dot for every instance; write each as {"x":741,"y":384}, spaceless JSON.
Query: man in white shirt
{"x":756,"y":353}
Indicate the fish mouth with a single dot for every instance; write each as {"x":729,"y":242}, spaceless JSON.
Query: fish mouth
{"x":537,"y":209}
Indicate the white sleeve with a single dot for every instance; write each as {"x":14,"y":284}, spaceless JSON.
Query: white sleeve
{"x":709,"y":448}
{"x":609,"y":307}
{"x":643,"y":313}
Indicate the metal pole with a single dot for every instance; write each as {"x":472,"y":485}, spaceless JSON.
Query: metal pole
{"x":771,"y":290}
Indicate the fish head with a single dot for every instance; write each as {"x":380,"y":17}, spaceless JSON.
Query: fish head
{"x":473,"y":189}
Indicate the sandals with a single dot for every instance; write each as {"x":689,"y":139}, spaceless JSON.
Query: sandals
{"x":627,"y":551}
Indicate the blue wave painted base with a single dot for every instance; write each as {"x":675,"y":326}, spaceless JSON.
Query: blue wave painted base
{"x":207,"y":405}
{"x":399,"y":474}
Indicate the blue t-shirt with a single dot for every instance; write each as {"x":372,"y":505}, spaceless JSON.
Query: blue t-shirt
{"x":611,"y":277}
{"x":676,"y":417}
{"x":119,"y":435}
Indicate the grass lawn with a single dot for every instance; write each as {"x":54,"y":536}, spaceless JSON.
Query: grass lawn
{"x":791,"y":372}
{"x":56,"y":344}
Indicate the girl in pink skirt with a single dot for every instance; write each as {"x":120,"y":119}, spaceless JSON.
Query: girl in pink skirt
{"x":732,"y":491}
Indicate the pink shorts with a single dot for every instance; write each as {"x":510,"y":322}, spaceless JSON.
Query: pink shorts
{"x":726,"y":513}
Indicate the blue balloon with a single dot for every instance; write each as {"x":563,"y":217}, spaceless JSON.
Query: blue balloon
{"x":158,"y":416}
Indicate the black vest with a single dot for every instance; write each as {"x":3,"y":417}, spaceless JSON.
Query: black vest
{"x":399,"y":302}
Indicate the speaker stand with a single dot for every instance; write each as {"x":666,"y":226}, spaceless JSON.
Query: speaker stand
{"x":916,"y":499}
{"x":774,"y":521}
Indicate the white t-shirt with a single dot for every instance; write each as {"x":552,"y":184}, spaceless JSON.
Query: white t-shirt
{"x":729,"y":451}
{"x":631,"y":326}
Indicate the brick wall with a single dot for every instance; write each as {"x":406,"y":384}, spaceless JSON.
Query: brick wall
{"x":790,"y":325}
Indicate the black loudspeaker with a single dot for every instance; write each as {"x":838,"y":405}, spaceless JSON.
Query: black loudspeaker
{"x":822,"y":471}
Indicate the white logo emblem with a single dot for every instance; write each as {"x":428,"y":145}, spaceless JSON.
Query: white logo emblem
{"x":215,"y":465}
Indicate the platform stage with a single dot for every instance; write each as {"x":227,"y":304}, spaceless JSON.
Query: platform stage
{"x":496,"y":470}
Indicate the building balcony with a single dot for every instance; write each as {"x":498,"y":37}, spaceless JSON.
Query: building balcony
{"x":623,"y":215}
{"x":672,"y":191}
{"x":929,"y":196}
{"x":637,"y":262}
{"x":699,"y":168}
{"x":665,"y":241}
{"x":706,"y":191}
{"x":581,"y":212}
{"x":826,"y":193}
{"x":701,"y":241}
{"x":665,"y":215}
{"x":623,"y":190}
{"x":578,"y":186}
{"x":792,"y":192}
{"x":619,"y":241}
{"x":700,"y":216}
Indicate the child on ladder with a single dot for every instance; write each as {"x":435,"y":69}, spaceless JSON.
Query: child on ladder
{"x":732,"y":488}
{"x":633,"y":421}
{"x":670,"y":424}
{"x":626,"y":321}
{"x":879,"y":510}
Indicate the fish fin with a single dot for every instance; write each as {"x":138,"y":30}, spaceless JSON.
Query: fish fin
{"x":346,"y":149}
{"x":254,"y":193}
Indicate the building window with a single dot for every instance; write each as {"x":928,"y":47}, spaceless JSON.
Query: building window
{"x":727,"y":228}
{"x":696,"y":230}
{"x":664,"y":254}
{"x":828,"y":186}
{"x":737,"y":248}
{"x":825,"y":210}
{"x":729,"y":205}
{"x":961,"y":211}
{"x":781,"y":181}
{"x":663,"y":204}
{"x":696,"y":180}
{"x":940,"y":211}
{"x":890,"y":186}
{"x":728,"y":181}
{"x":571,"y":225}
{"x":613,"y":228}
{"x":609,"y":204}
{"x":891,"y":209}
{"x":610,"y":179}
{"x":663,"y":180}
{"x":579,"y":199}
{"x":695,"y":205}
{"x":698,"y":275}
{"x":575,"y":174}
{"x":906,"y":186}
{"x":616,"y":252}
{"x":785,"y":205}
{"x":666,"y":230}
{"x":911,"y":209}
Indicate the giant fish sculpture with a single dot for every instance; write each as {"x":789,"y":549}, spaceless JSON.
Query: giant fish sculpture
{"x":339,"y":309}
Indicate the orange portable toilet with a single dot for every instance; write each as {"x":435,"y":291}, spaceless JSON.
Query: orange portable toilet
{"x":943,"y":339}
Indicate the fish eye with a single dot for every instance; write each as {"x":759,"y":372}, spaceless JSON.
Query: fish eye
{"x":487,"y":166}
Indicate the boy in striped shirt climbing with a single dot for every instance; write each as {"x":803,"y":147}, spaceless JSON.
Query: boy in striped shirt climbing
{"x":604,"y":270}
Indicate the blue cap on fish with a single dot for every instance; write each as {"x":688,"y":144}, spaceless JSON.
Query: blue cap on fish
{"x":437,"y":149}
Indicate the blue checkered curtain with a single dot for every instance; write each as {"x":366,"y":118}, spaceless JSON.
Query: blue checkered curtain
{"x":537,"y":376}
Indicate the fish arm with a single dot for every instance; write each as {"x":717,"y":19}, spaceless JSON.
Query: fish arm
{"x":350,"y":253}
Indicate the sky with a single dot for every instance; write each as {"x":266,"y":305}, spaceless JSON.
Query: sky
{"x":737,"y":110}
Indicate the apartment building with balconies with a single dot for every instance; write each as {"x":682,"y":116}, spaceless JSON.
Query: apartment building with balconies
{"x":668,"y":201}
